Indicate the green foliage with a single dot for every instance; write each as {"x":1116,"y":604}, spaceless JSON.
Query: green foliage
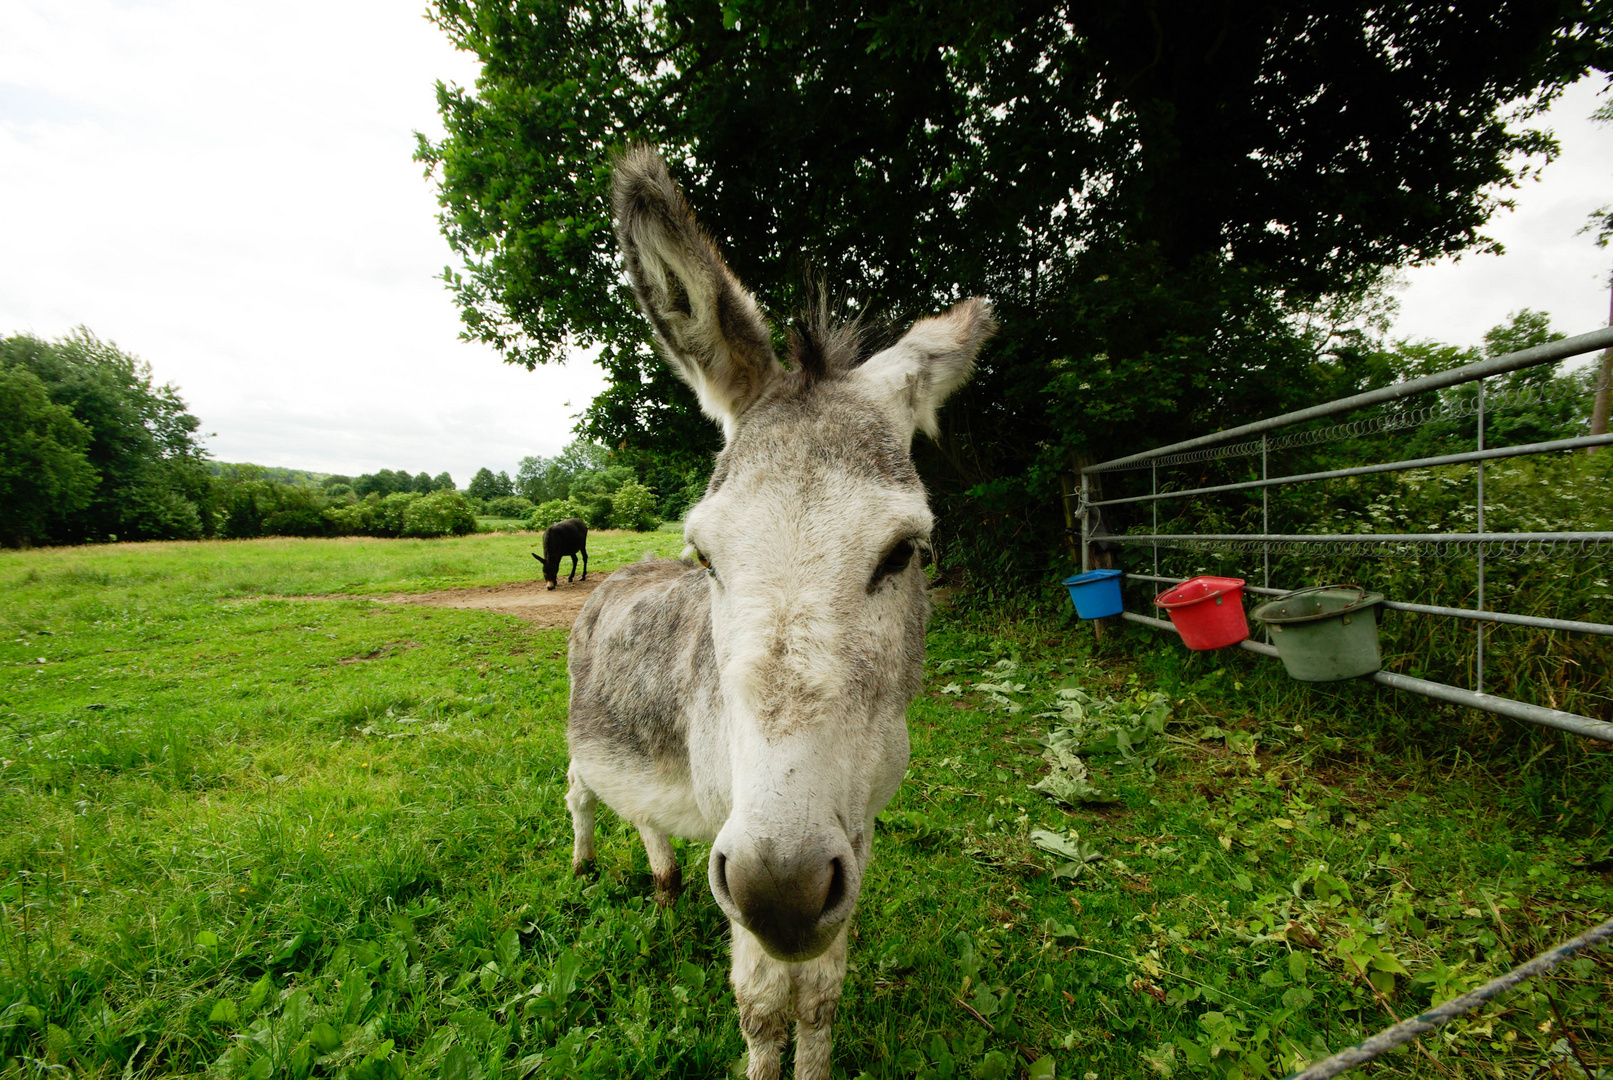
{"x":279,"y":475}
{"x":45,"y":473}
{"x":142,"y":443}
{"x":389,"y":513}
{"x":545,"y":514}
{"x":484,"y":485}
{"x":633,"y":507}
{"x":246,"y":504}
{"x":388,"y":482}
{"x":441,"y":513}
{"x":507,"y":506}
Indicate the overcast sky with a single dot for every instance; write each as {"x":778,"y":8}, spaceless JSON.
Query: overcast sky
{"x":226,"y":190}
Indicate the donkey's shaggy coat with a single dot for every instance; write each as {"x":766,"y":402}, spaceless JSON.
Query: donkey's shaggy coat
{"x":754,"y":695}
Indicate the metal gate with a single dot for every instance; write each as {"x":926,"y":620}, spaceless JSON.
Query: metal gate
{"x":1261,"y":439}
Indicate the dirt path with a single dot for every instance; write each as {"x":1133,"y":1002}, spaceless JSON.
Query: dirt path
{"x":529,"y":600}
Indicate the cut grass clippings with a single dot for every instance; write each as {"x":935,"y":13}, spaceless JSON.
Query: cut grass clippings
{"x":283,"y":837}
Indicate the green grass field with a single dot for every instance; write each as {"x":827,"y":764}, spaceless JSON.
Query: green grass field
{"x":250,"y":833}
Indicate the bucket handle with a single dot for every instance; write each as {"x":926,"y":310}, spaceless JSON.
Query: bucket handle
{"x":1217,"y":595}
{"x":1360,"y":595}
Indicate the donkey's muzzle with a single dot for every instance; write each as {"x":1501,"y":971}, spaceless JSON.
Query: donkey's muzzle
{"x":793,"y":901}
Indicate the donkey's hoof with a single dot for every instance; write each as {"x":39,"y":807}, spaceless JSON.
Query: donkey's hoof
{"x":669,"y":888}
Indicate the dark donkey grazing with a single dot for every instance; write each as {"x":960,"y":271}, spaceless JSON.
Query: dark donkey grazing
{"x":753,"y":695}
{"x":559,"y":540}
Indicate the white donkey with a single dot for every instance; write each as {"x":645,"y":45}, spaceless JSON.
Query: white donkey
{"x":755,"y":695}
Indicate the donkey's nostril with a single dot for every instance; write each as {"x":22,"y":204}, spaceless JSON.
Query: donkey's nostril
{"x":837,"y":886}
{"x":719,"y":874}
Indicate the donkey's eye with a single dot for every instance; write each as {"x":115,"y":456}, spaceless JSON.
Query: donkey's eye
{"x":895,"y":561}
{"x":692,"y":552}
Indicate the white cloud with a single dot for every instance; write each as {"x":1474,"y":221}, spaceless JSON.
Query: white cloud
{"x":1548,"y":265}
{"x":227,"y":190}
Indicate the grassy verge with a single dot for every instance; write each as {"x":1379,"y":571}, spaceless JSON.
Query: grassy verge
{"x":259,"y":835}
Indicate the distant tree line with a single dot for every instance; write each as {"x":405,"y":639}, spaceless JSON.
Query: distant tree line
{"x":387,"y":482}
{"x":92,"y":449}
{"x":585,"y":480}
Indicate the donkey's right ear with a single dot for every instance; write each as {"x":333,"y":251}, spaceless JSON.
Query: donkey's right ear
{"x":709,"y":328}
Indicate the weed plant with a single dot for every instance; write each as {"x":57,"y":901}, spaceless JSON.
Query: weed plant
{"x":255,"y":824}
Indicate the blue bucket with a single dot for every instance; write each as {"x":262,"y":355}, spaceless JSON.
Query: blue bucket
{"x":1096,"y":593}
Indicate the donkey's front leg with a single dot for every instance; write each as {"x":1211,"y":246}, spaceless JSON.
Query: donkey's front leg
{"x":815,"y":988}
{"x":663,"y":864}
{"x":581,"y":800}
{"x":762,"y":989}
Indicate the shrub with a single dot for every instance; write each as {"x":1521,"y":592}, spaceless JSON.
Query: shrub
{"x":355,"y":518}
{"x":441,"y":513}
{"x":389,"y":513}
{"x":545,"y":514}
{"x":633,"y":507}
{"x":507,"y":506}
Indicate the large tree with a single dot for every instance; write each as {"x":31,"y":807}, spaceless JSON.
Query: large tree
{"x":1146,"y":190}
{"x":45,"y":474}
{"x":143,"y":442}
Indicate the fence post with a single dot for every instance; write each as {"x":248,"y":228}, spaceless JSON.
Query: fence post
{"x":1604,"y":384}
{"x":1074,"y":535}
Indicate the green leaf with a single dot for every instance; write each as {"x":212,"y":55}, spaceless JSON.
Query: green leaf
{"x":508,"y":948}
{"x":324,"y":1038}
{"x":1041,"y":1068}
{"x":224,"y":1012}
{"x":460,"y":1064}
{"x":564,"y":978}
{"x":256,"y":996}
{"x":1388,"y":961}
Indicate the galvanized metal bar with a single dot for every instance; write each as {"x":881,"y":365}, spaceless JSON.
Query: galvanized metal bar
{"x":1572,"y":626}
{"x":1540,"y":354}
{"x":1480,"y":455}
{"x":1518,"y":710}
{"x":1536,"y":622}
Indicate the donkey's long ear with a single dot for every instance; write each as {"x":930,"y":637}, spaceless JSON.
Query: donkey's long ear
{"x":913,"y":377}
{"x":709,"y":328}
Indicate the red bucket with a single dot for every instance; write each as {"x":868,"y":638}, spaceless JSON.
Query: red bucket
{"x":1207,"y":611}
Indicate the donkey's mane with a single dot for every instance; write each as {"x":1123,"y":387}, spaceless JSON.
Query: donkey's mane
{"x":821,"y":347}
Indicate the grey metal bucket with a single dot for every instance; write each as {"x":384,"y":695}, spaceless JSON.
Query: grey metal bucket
{"x":1325,"y":633}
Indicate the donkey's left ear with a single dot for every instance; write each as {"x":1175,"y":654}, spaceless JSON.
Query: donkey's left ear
{"x":912,"y":378}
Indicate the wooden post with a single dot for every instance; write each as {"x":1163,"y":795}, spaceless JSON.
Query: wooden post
{"x":1072,"y":528}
